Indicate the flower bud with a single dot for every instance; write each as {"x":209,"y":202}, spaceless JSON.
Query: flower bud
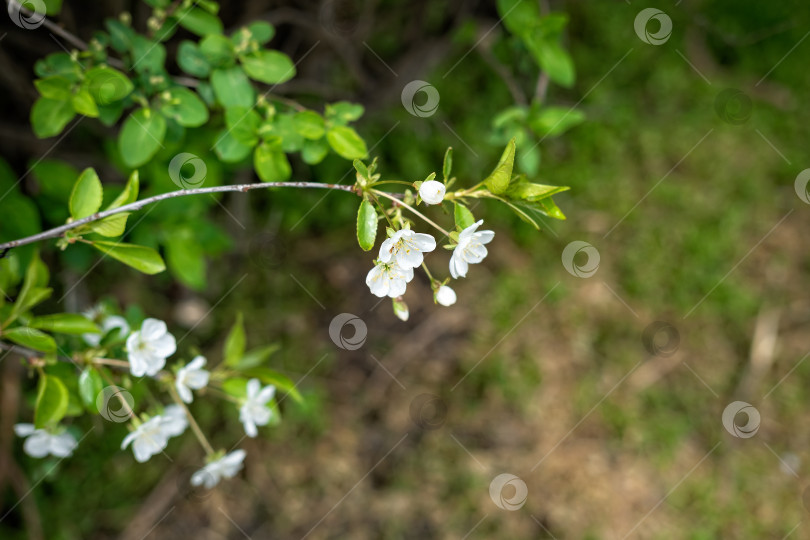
{"x":401,"y":309}
{"x":432,"y":192}
{"x":445,"y":296}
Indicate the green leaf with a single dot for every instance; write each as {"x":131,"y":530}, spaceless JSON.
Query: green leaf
{"x":64,"y":323}
{"x":192,"y":60}
{"x":243,"y":124}
{"x":198,"y":21}
{"x":281,"y":382}
{"x":234,"y":347}
{"x":283,"y":127}
{"x":361,"y":169}
{"x":309,"y":124}
{"x":346,"y":142}
{"x":107,"y":85}
{"x":366,"y":225}
{"x":184,"y":106}
{"x":229,"y":149}
{"x":55,"y":87}
{"x":554,"y":60}
{"x":90,"y":386}
{"x":271,"y":67}
{"x":141,"y":258}
{"x":553,"y":121}
{"x":129,"y":194}
{"x":271,"y":164}
{"x":464,"y":218}
{"x":31,"y":338}
{"x":232,"y":87}
{"x":532,"y":192}
{"x":49,"y":117}
{"x":235,"y":387}
{"x":546,"y":207}
{"x":313,"y":152}
{"x":147,"y":55}
{"x":261,"y":31}
{"x":498,"y":181}
{"x":109,"y":114}
{"x":83,"y":103}
{"x":217,"y":50}
{"x":185,"y":258}
{"x":256,"y":357}
{"x":52,"y":401}
{"x":447,"y":166}
{"x":343,"y":112}
{"x":85,"y":199}
{"x":141,"y":137}
{"x":111,"y":226}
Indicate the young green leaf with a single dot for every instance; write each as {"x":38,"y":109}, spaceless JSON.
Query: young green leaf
{"x":232,"y":87}
{"x":261,"y":31}
{"x":192,"y":60}
{"x":31,"y":338}
{"x":243,"y":124}
{"x":271,"y":67}
{"x":85,"y":199}
{"x":532,"y":192}
{"x":111,"y":226}
{"x":55,"y":87}
{"x":217,"y":50}
{"x":343,"y":112}
{"x":141,"y":258}
{"x":313,"y":152}
{"x":185,"y":258}
{"x":185,"y":107}
{"x":545,"y":206}
{"x":464,"y":218}
{"x":199,"y":21}
{"x":366,"y":225}
{"x":52,"y":401}
{"x":107,"y":85}
{"x":141,"y":137}
{"x":49,"y":117}
{"x":271,"y":164}
{"x":64,"y":323}
{"x":256,"y":357}
{"x":149,"y":55}
{"x":309,"y":124}
{"x":83,"y":104}
{"x":129,"y":194}
{"x":235,"y":343}
{"x":229,"y":149}
{"x":90,"y":386}
{"x":553,"y":121}
{"x":235,"y":387}
{"x":498,"y":181}
{"x":346,"y":142}
{"x":447,"y":166}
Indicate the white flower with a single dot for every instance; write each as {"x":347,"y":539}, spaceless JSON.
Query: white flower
{"x":149,"y":347}
{"x":225,"y":467}
{"x":148,"y":439}
{"x":432,"y":192}
{"x":388,"y":279}
{"x":174,"y":420}
{"x":254,"y":411}
{"x":39,"y":442}
{"x":191,"y":376}
{"x":445,"y":296}
{"x":107,"y":324}
{"x":406,"y":248}
{"x":470,"y":249}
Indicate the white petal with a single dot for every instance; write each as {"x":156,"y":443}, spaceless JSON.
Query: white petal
{"x":197,"y":379}
{"x":377,"y":281}
{"x":397,"y":288}
{"x":38,"y":444}
{"x":458,"y":266}
{"x":183,"y":391}
{"x":196,"y":363}
{"x":138,"y":364}
{"x":485,"y":237}
{"x":253,"y":388}
{"x":203,"y":476}
{"x":250,"y":428}
{"x":469,"y":230}
{"x":446,"y":296}
{"x":424,"y":242}
{"x":24,"y":430}
{"x":62,"y":445}
{"x":115,"y":321}
{"x":164,"y":346}
{"x":152,"y":329}
{"x":266,"y":394}
{"x":129,"y":438}
{"x":386,"y":247}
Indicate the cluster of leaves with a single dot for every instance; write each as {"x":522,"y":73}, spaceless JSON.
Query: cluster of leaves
{"x":221,"y":69}
{"x":539,"y":36}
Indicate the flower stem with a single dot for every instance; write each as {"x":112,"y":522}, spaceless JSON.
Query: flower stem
{"x":209,"y":450}
{"x":135,"y":420}
{"x":409,"y":207}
